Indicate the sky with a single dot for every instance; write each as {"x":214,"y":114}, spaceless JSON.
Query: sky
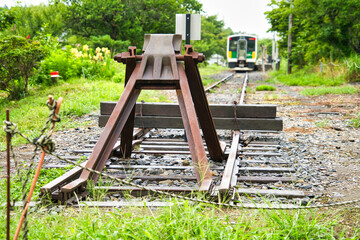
{"x":240,"y":15}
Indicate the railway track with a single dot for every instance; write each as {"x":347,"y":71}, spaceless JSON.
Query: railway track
{"x":255,"y":166}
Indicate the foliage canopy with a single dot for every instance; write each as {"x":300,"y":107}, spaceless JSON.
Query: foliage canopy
{"x":321,"y":29}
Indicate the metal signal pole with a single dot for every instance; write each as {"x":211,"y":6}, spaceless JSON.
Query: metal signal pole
{"x":290,"y":40}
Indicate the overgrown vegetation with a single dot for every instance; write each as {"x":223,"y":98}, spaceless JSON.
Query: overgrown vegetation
{"x":18,"y":58}
{"x":330,"y":90}
{"x":322,"y":29}
{"x":182,"y":221}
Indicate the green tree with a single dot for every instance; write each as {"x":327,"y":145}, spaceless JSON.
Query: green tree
{"x":213,"y":37}
{"x":125,"y":20}
{"x":18,"y":57}
{"x":30,"y":20}
{"x":7,"y":18}
{"x":321,"y":29}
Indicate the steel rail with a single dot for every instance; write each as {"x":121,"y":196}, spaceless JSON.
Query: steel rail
{"x":243,"y":92}
{"x":218,"y":82}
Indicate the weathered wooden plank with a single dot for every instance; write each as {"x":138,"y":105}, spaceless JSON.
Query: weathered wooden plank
{"x":267,"y":169}
{"x":271,"y":192}
{"x":217,"y":110}
{"x":220,"y":123}
{"x":117,"y":204}
{"x":139,"y":192}
{"x":254,"y":154}
{"x":266,"y":179}
{"x":263,"y":162}
{"x":156,"y":177}
{"x":129,"y":167}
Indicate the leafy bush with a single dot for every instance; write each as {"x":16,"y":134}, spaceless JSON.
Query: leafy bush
{"x":18,"y":58}
{"x":106,"y":41}
{"x":59,"y":60}
{"x":71,"y":62}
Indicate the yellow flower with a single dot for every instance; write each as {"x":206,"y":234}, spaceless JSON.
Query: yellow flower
{"x":85,"y":55}
{"x":104,"y":49}
{"x":107,"y":52}
{"x":74,"y":51}
{"x":97,"y":50}
{"x":104,"y":63}
{"x":85,"y":48}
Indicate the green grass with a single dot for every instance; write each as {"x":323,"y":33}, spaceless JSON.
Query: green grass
{"x":305,"y":77}
{"x":323,"y":123}
{"x":330,"y":90}
{"x":265,"y":88}
{"x":80,"y":97}
{"x":355,"y":122}
{"x":181,"y":221}
{"x":210,"y":69}
{"x":302,"y":78}
{"x":206,"y":73}
{"x":46,"y":176}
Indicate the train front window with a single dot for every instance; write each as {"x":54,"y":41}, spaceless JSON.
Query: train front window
{"x":251,"y":45}
{"x":233,"y":45}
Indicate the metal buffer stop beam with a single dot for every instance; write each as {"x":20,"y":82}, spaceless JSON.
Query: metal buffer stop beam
{"x":159,"y":68}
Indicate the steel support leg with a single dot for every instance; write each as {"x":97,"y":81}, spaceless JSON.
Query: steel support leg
{"x":203,"y":109}
{"x":191,"y":125}
{"x":110,"y":134}
{"x":127,"y":132}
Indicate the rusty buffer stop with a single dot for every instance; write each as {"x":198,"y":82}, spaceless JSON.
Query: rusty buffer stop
{"x":160,"y":67}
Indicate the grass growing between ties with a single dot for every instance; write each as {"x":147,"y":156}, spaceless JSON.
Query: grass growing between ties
{"x":265,"y":88}
{"x":323,"y":123}
{"x":330,"y":90}
{"x":182,"y":221}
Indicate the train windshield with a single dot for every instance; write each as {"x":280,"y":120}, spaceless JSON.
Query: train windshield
{"x":251,"y":45}
{"x":233,"y":45}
